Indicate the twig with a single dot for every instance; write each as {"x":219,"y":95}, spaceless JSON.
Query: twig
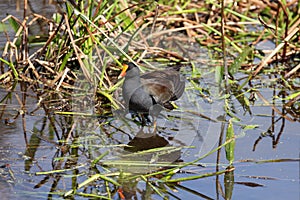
{"x":294,"y":70}
{"x":267,"y":59}
{"x":273,"y":107}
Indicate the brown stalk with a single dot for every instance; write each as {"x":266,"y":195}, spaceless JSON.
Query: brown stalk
{"x":294,"y":70}
{"x":76,"y":49}
{"x":273,"y":107}
{"x":267,"y":59}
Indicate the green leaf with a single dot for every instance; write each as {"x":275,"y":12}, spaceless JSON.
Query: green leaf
{"x":3,"y":27}
{"x":236,"y":65}
{"x":250,"y":127}
{"x":291,"y":96}
{"x":12,"y":67}
{"x":14,"y":24}
{"x":229,"y":182}
{"x":229,"y":148}
{"x":219,"y":74}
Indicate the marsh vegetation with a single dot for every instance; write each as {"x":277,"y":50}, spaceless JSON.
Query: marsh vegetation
{"x":235,"y":126}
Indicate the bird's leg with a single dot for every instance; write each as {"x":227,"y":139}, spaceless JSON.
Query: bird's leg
{"x":147,"y":118}
{"x":143,"y":119}
{"x":141,"y":130}
{"x":154,"y":126}
{"x":138,"y":118}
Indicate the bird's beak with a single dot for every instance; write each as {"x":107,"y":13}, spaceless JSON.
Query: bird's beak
{"x":123,"y":72}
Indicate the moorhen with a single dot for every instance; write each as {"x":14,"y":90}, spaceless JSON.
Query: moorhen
{"x":149,"y":93}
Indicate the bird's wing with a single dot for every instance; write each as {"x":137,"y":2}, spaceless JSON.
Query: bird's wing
{"x":160,"y":90}
{"x":170,"y":79}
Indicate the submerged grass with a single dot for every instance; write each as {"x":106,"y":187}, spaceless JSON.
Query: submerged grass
{"x":74,"y":75}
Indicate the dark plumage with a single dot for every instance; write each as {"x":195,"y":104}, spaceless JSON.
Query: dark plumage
{"x":150,"y":92}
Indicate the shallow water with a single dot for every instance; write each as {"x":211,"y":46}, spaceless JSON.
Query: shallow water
{"x":253,"y":180}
